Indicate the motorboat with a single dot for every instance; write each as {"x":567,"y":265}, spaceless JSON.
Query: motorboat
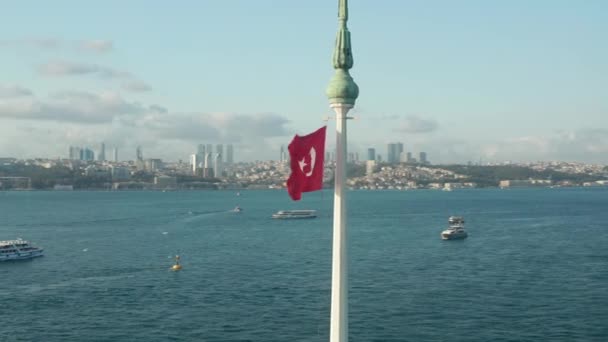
{"x":18,"y":250}
{"x":294,"y":214}
{"x":455,"y":229}
{"x":237,"y":209}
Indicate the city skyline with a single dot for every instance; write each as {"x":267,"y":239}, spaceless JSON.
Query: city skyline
{"x":474,"y":80}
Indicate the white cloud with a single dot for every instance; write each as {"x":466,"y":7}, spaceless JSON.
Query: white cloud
{"x":218,"y":127}
{"x":39,"y":42}
{"x":46,"y":43}
{"x":583,"y":145}
{"x":136,"y":86}
{"x":81,"y":107}
{"x":65,"y":68}
{"x":415,"y":124}
{"x":12,"y":91}
{"x":96,"y":45}
{"x":51,"y":124}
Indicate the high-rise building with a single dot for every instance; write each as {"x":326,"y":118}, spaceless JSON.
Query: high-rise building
{"x":391,"y":153}
{"x":351,"y":157}
{"x":139,"y":155}
{"x":394,"y":151}
{"x":217,"y":165}
{"x":209,"y":148}
{"x":87,"y":154}
{"x":194,"y":161}
{"x":219,"y":149}
{"x":200,"y":149}
{"x":229,"y":154}
{"x":139,"y":159}
{"x":206,"y":163}
{"x":75,"y":153}
{"x":282,"y":154}
{"x":207,"y":169}
{"x":422,"y":158}
{"x":116,"y":154}
{"x":400,"y":154}
{"x":409,"y":158}
{"x":102,"y":152}
{"x":371,"y":154}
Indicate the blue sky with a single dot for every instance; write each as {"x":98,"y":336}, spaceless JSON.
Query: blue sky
{"x":512,"y":80}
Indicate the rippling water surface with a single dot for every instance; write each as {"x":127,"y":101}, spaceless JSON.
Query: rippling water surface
{"x":534,"y":268}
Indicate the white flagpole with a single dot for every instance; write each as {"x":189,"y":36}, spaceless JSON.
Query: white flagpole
{"x":342,"y":93}
{"x":339,"y":277}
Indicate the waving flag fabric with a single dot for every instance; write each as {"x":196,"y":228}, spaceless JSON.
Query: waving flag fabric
{"x":307,"y":154}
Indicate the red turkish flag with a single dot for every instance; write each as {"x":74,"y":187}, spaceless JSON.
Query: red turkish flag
{"x":307,"y":155}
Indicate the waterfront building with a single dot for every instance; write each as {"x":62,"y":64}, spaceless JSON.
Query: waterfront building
{"x":165,"y":182}
{"x":524,"y":183}
{"x":119,"y":173}
{"x":370,"y":166}
{"x":153,"y":165}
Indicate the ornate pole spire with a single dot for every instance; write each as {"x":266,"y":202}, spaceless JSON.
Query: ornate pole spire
{"x":342,"y":88}
{"x":342,"y":92}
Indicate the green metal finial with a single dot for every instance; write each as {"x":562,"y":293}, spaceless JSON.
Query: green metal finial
{"x":342,"y":88}
{"x":343,"y":10}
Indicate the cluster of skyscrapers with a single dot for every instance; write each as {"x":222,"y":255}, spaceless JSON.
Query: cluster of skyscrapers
{"x":86,"y":153}
{"x":395,"y":153}
{"x":207,"y":163}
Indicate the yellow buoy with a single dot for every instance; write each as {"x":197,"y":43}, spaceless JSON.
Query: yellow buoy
{"x":177,"y":266}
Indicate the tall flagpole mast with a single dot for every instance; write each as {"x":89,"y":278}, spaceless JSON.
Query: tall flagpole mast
{"x":342,"y":92}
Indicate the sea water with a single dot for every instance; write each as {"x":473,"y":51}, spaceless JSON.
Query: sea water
{"x":534,"y":267}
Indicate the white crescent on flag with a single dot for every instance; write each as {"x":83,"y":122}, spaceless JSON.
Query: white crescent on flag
{"x":313,"y":157}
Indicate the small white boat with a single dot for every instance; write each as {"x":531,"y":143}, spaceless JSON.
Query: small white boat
{"x":237,"y":209}
{"x":18,"y":250}
{"x":294,"y":214}
{"x":455,"y":229}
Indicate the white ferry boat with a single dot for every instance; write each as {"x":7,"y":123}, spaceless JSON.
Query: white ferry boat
{"x":455,"y":229}
{"x":18,"y":250}
{"x":295,"y":214}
